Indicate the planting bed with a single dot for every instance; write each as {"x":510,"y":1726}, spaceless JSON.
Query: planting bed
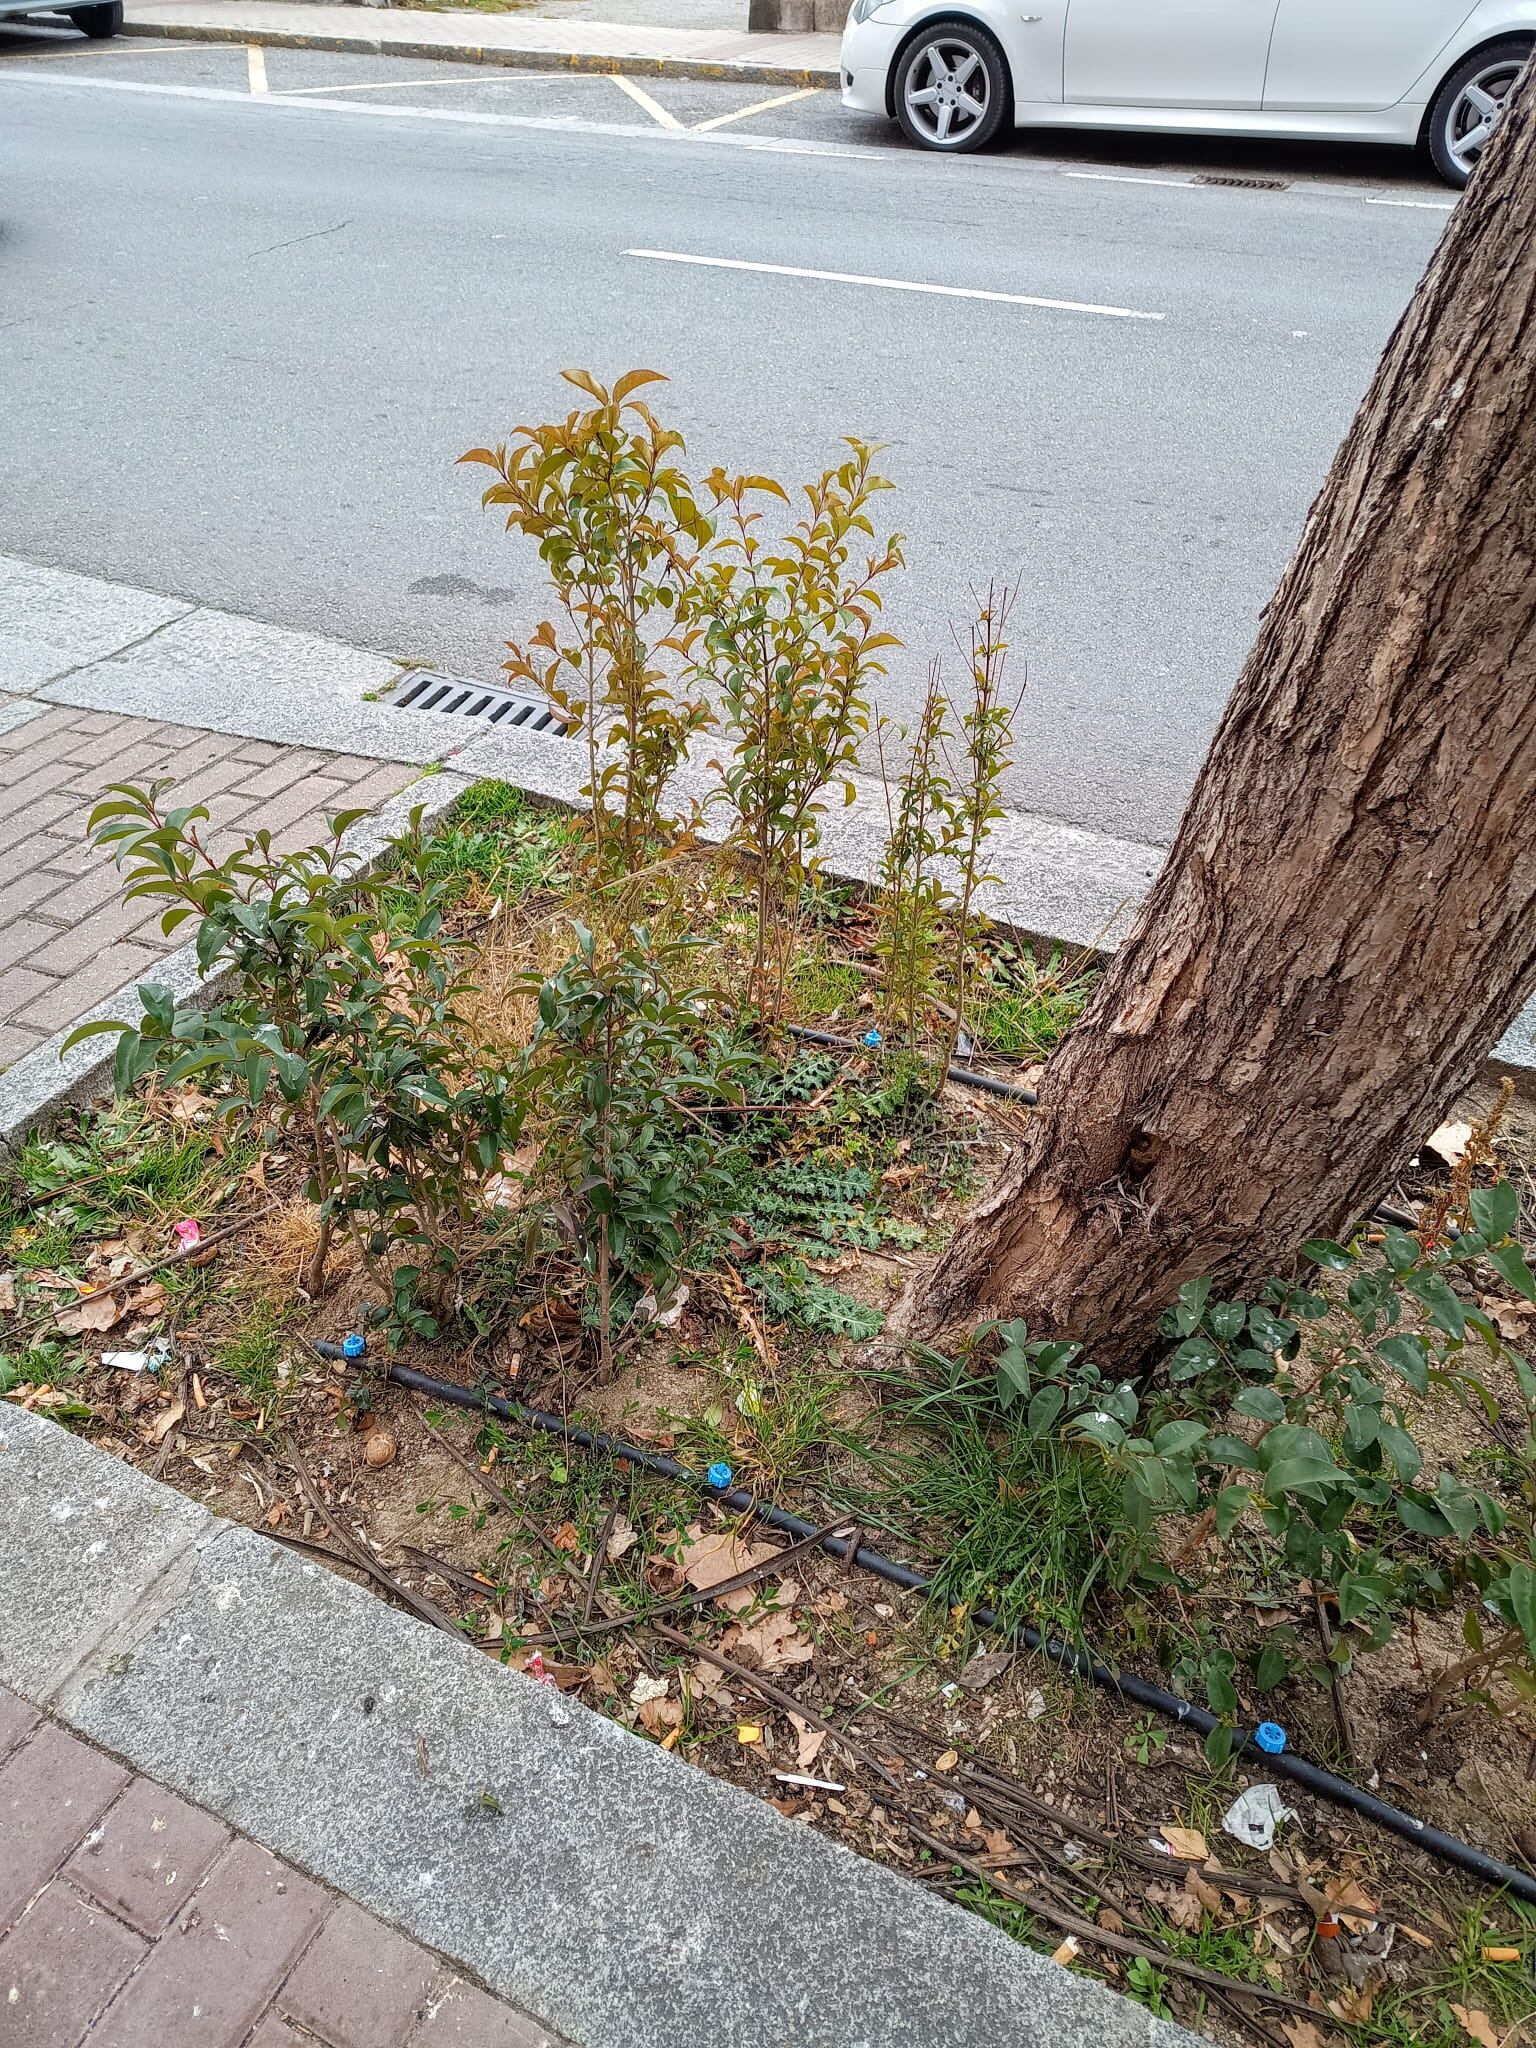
{"x":827,"y":1181}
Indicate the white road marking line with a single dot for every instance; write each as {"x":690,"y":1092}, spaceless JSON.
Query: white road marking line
{"x":1124,"y":178}
{"x":806,"y":92}
{"x":1423,"y":205}
{"x":94,"y":50}
{"x":892,"y":284}
{"x":642,"y":98}
{"x":403,"y":84}
{"x":256,"y":67}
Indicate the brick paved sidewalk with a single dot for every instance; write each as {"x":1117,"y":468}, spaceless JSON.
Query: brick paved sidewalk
{"x":66,"y":938}
{"x":129,"y":1919}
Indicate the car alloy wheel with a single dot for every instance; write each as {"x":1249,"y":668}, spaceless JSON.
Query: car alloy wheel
{"x":1476,"y":110}
{"x":948,"y":91}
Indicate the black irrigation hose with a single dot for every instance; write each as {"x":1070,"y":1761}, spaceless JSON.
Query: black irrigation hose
{"x":967,"y":1076}
{"x":1139,"y":1691}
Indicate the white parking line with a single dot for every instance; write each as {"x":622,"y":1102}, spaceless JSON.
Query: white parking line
{"x":1124,"y":178}
{"x":642,"y":98}
{"x":891,"y":284}
{"x":404,"y":84}
{"x":1422,"y":205}
{"x":256,"y":67}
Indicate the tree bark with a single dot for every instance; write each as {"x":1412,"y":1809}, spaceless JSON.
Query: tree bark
{"x":1347,"y":918}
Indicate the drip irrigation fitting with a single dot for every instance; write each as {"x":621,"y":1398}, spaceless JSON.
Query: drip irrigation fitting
{"x":1139,"y":1692}
{"x":966,"y":1076}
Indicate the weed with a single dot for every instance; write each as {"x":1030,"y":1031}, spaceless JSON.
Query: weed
{"x":499,"y":845}
{"x":256,"y":1352}
{"x":1024,"y":1010}
{"x":821,"y":985}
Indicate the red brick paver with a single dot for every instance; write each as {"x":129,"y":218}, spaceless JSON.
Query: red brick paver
{"x":131,"y":1919}
{"x":66,"y":938}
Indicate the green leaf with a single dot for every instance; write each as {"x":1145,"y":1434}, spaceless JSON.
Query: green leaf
{"x":1410,"y":1357}
{"x":1403,"y":1252}
{"x":1437,"y":1297}
{"x":1226,"y":1319}
{"x":82,"y":1031}
{"x":1509,"y":1262}
{"x":1262,"y":1403}
{"x":1271,"y":1667}
{"x":1044,"y":1410}
{"x":1322,"y":1251}
{"x":1421,"y":1517}
{"x":1287,"y":1474}
{"x":1176,"y":1437}
{"x":1232,"y":1503}
{"x":1522,"y":1601}
{"x":1402,"y":1450}
{"x":1496,"y":1211}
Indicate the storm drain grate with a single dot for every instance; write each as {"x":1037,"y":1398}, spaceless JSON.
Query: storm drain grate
{"x":457,"y":697}
{"x":1246,"y":184}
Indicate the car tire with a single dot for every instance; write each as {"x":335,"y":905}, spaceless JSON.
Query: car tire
{"x":99,"y":22}
{"x":1460,"y":121}
{"x":952,"y":90}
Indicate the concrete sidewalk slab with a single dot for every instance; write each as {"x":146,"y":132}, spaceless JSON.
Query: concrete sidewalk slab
{"x":626,"y":1899}
{"x":131,"y":1919}
{"x":533,"y":41}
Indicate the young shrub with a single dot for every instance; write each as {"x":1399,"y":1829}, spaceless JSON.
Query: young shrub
{"x":620,"y":531}
{"x":922,"y":826}
{"x":986,"y":741}
{"x":341,"y":1033}
{"x":620,"y":1075}
{"x":792,"y":646}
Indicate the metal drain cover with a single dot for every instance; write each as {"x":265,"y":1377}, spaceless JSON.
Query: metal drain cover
{"x":1246,"y":184}
{"x":428,"y":689}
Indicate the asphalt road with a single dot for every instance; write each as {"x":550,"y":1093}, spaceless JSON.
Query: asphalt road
{"x":243,"y":337}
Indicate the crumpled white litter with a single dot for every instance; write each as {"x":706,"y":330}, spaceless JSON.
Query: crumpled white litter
{"x":1254,"y":1817}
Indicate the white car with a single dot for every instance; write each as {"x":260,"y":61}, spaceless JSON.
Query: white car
{"x":97,"y":22}
{"x":1416,"y":72}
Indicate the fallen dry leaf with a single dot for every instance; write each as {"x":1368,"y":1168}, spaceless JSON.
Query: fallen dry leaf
{"x":1476,"y":2024}
{"x":621,"y":1537}
{"x":7,"y":1293}
{"x":1186,"y":1842}
{"x":711,"y":1560}
{"x":1197,"y":1888}
{"x":101,"y":1312}
{"x":809,"y":1742}
{"x":982,"y":1669}
{"x":1301,"y":2034}
{"x":567,"y":1538}
{"x":774,"y":1642}
{"x":646,"y":1688}
{"x":1449,"y":1142}
{"x":655,"y":1715}
{"x":1511,"y":1317}
{"x":167,"y":1422}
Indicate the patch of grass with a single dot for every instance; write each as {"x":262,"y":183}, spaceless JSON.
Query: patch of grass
{"x":499,"y":844}
{"x":42,"y":1363}
{"x":254,"y":1354}
{"x":779,"y":1424}
{"x":820,"y":984}
{"x":1028,"y":1525}
{"x":123,"y":1165}
{"x":1027,"y":1009}
{"x":1420,"y":2016}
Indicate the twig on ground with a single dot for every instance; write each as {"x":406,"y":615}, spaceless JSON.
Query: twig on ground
{"x":701,"y":1598}
{"x":785,"y":1700}
{"x":599,"y":1558}
{"x":1341,"y":1713}
{"x":496,"y":1495}
{"x":175,"y":1258}
{"x":453,"y":1574}
{"x":419,"y":1604}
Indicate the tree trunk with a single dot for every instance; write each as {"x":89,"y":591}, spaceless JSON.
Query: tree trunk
{"x":1347,"y":919}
